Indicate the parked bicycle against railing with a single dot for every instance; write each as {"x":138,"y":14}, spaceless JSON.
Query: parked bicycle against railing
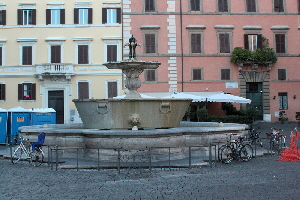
{"x":276,"y":138}
{"x":254,"y":137}
{"x":22,"y":152}
{"x":235,"y":150}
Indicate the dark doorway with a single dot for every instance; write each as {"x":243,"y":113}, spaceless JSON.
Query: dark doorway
{"x":56,"y":101}
{"x":254,"y":92}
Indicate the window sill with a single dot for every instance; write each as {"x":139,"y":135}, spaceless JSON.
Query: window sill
{"x":26,"y":100}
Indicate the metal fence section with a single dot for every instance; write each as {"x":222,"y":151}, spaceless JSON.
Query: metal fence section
{"x":154,"y":157}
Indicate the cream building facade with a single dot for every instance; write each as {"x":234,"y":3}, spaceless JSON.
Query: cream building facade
{"x":52,"y":52}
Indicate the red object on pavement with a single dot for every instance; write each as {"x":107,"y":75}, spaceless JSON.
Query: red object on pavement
{"x":292,"y":153}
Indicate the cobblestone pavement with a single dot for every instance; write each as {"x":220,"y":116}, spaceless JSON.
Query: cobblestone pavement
{"x":260,"y":178}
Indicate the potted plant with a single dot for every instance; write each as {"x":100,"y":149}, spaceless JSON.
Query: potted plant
{"x":201,"y":114}
{"x":282,"y":117}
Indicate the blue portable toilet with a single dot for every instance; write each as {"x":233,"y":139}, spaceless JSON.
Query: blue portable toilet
{"x":3,"y":125}
{"x":41,"y":116}
{"x":17,"y":117}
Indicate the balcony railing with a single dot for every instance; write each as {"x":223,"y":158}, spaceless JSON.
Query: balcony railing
{"x":55,"y":68}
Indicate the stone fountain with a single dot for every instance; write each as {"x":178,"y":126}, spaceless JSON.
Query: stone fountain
{"x":132,"y":111}
{"x":133,"y":122}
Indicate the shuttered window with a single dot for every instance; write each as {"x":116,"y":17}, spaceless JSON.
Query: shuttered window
{"x":278,"y":6}
{"x":2,"y":17}
{"x":2,"y":91}
{"x":280,"y":43}
{"x":281,"y":74}
{"x":1,"y":56}
{"x":83,"y":15}
{"x":149,"y":5}
{"x":224,"y":43}
{"x":83,"y":90}
{"x":150,"y":75}
{"x":196,"y":43}
{"x":195,"y":5}
{"x":150,"y":43}
{"x":251,"y":5}
{"x":83,"y":54}
{"x":111,"y":53}
{"x":27,"y":91}
{"x":112,"y":89}
{"x":26,"y":16}
{"x":55,"y":16}
{"x":225,"y":74}
{"x":56,"y":54}
{"x":197,"y":74}
{"x":111,"y":15}
{"x":223,"y":5}
{"x":27,"y":55}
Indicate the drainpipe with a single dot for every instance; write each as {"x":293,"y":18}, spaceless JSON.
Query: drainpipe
{"x":181,"y":43}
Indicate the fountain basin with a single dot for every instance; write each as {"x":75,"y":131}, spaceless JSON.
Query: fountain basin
{"x":127,"y":113}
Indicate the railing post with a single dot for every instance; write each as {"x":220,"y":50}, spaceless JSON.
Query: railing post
{"x":119,"y":159}
{"x":56,"y":157}
{"x":190,"y":157}
{"x":77,"y":159}
{"x":169,"y":158}
{"x":150,"y":164}
{"x":98,"y":159}
{"x":210,"y":156}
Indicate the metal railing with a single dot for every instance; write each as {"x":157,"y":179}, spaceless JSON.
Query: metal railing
{"x":119,"y":158}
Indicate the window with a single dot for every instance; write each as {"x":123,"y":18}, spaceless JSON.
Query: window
{"x":253,"y":42}
{"x":2,"y":91}
{"x":26,"y":55}
{"x":83,"y":54}
{"x":223,"y":6}
{"x":197,"y":74}
{"x":83,"y":90}
{"x":224,"y":45}
{"x":55,"y":16}
{"x":283,"y":101}
{"x":2,"y":17}
{"x":83,"y":16}
{"x":280,"y":43}
{"x":196,"y":43}
{"x":111,"y":15}
{"x":150,"y":5}
{"x":26,"y":17}
{"x":112,"y":53}
{"x":55,"y":54}
{"x":278,"y":5}
{"x":1,"y":62}
{"x":150,"y":43}
{"x":112,"y":89}
{"x":27,"y":91}
{"x":150,"y":75}
{"x":281,"y":74}
{"x":251,"y":5}
{"x":225,"y":74}
{"x":195,"y":5}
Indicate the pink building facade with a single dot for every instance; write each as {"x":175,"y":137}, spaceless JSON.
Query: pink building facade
{"x":194,"y":41}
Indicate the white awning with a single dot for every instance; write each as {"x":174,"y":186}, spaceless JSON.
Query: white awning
{"x":196,"y":96}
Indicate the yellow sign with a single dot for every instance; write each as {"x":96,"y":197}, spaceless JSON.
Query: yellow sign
{"x":20,"y":119}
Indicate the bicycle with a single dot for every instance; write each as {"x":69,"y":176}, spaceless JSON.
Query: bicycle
{"x":22,"y":152}
{"x":235,"y":150}
{"x":254,"y":137}
{"x":277,"y":139}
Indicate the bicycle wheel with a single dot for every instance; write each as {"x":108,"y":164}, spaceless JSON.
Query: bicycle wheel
{"x":226,"y":154}
{"x":17,"y":155}
{"x":246,"y":152}
{"x":36,"y":158}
